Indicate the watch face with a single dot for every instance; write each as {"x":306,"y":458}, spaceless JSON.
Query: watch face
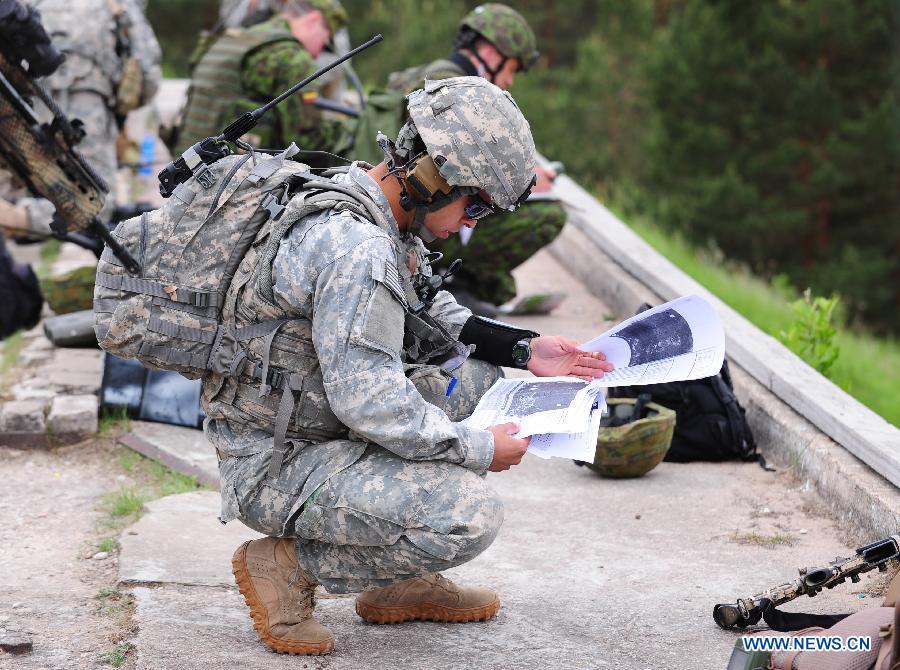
{"x":521,"y":353}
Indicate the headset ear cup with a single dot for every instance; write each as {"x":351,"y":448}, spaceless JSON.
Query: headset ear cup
{"x":425,"y":179}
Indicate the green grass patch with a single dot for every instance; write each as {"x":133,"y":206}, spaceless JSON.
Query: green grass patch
{"x":113,"y":420}
{"x":759,"y":540}
{"x":150,"y":480}
{"x":116,"y":657}
{"x":125,"y":502}
{"x":867,"y":367}
{"x":12,"y":345}
{"x":49,"y":254}
{"x":108,"y":544}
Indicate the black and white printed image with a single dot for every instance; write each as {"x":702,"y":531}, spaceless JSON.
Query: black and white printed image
{"x":658,"y":336}
{"x":531,"y":398}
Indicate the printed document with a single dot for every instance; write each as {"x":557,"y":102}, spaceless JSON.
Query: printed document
{"x":680,"y":340}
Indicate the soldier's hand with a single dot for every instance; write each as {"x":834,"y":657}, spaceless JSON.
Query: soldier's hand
{"x":508,"y":450}
{"x":545,"y":178}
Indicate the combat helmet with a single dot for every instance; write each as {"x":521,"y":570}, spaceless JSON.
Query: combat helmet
{"x":464,"y":135}
{"x":634,"y":438}
{"x":503,"y":27}
{"x":332,"y":10}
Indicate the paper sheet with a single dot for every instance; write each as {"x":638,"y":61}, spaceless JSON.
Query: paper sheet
{"x":680,"y":340}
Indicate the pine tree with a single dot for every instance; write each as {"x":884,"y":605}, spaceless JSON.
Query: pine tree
{"x":774,"y":133}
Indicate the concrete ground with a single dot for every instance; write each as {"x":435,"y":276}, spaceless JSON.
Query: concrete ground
{"x":592,"y":572}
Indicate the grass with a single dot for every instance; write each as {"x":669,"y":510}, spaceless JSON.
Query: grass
{"x":12,"y":345}
{"x":112,"y":421}
{"x":150,"y":480}
{"x":867,"y":367}
{"x":116,"y":657}
{"x":769,"y":541}
{"x":49,"y":254}
{"x":108,"y":544}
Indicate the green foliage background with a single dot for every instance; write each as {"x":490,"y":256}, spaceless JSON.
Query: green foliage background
{"x":769,"y":131}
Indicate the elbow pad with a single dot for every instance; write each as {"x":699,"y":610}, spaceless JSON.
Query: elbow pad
{"x":493,"y":340}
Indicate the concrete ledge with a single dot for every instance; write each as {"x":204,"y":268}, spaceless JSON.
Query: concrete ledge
{"x":800,"y":419}
{"x":184,"y":450}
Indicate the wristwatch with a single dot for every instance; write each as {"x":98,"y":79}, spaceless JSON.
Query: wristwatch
{"x":521,"y":353}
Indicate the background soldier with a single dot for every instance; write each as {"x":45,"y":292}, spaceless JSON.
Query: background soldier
{"x":112,"y":66}
{"x":246,"y":67}
{"x":495,"y":42}
{"x":377,"y":487}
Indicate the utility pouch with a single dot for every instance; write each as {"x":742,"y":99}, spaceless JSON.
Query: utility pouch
{"x":431,"y":381}
{"x":128,"y":92}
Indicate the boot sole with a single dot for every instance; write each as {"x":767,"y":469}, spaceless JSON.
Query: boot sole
{"x":260,"y":615}
{"x":425,"y":612}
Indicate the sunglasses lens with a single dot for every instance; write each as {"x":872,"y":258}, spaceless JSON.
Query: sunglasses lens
{"x":477,"y":209}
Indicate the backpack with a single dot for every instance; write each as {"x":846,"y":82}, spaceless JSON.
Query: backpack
{"x":385,"y":111}
{"x":20,"y":295}
{"x":170,"y":316}
{"x":710,"y":424}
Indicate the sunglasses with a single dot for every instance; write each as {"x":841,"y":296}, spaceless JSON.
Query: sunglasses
{"x":478,"y":208}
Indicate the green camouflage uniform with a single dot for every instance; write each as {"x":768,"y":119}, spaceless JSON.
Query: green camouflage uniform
{"x":266,"y":71}
{"x":501,"y":242}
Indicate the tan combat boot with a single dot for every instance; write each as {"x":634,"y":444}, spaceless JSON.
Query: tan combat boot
{"x":280,"y":596}
{"x":428,"y":598}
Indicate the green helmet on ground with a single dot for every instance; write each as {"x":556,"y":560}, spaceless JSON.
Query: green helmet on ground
{"x":636,"y":447}
{"x":503,"y":27}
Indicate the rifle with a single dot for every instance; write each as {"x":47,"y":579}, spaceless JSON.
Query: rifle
{"x":43,"y":155}
{"x":196,"y":160}
{"x":748,"y":611}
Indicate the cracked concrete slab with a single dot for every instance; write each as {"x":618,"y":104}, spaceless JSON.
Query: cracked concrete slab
{"x":592,"y":573}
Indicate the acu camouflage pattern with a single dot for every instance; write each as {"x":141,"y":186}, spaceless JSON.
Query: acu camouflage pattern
{"x":399,"y":495}
{"x":501,"y":242}
{"x":506,"y":29}
{"x":99,"y":38}
{"x":188,"y":250}
{"x":632,"y":450}
{"x":476,"y":136}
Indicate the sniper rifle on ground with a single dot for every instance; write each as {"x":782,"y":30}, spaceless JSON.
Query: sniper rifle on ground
{"x":748,"y":611}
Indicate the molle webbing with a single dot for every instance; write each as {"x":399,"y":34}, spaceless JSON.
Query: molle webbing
{"x":217,"y":84}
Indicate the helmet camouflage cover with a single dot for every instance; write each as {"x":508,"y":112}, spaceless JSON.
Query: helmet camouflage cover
{"x":332,"y":11}
{"x":476,"y":136}
{"x":506,"y":29}
{"x":636,"y":447}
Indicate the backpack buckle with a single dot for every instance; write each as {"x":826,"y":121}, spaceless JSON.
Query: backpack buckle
{"x":274,"y":379}
{"x":205,"y":177}
{"x":272,"y":205}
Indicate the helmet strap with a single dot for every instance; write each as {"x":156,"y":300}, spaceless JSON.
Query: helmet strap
{"x":493,"y":72}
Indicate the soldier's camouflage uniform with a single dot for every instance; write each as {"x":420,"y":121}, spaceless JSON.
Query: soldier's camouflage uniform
{"x":501,"y":242}
{"x":364,"y":515}
{"x":273,"y":65}
{"x":106,"y":58}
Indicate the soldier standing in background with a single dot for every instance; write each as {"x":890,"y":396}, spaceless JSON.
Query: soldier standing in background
{"x":244,"y":68}
{"x":495,"y":42}
{"x":112,"y":66}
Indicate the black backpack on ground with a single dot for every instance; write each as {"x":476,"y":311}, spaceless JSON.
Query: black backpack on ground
{"x":20,"y":295}
{"x":710,"y":424}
